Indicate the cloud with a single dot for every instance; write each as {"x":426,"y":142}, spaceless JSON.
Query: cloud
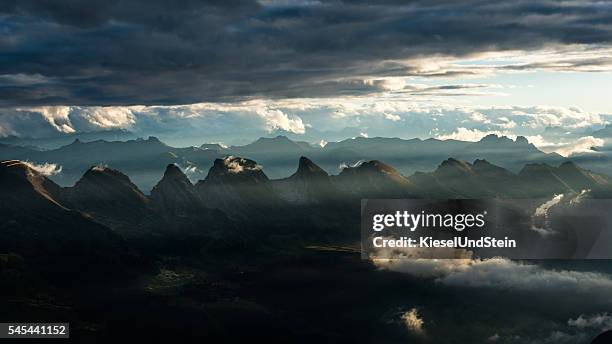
{"x":566,"y":147}
{"x":71,"y":119}
{"x":313,"y":120}
{"x":504,"y":274}
{"x":392,"y":117}
{"x":239,"y":165}
{"x":579,"y":330}
{"x":473,"y":135}
{"x":157,"y":53}
{"x":58,"y":117}
{"x":582,"y":145}
{"x":276,"y":119}
{"x":46,"y":169}
{"x":601,"y":322}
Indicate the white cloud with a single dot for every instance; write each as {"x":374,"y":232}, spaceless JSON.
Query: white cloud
{"x":582,"y":145}
{"x":479,"y":117}
{"x":46,"y":169}
{"x":501,"y":273}
{"x":405,"y":117}
{"x":107,"y":117}
{"x":276,"y":119}
{"x":57,"y":116}
{"x":540,"y":221}
{"x":565,"y":147}
{"x":601,"y":322}
{"x":238,"y":165}
{"x":473,"y":135}
{"x":392,"y":117}
{"x":70,"y":119}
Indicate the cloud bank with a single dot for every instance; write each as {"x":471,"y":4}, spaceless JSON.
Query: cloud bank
{"x":566,"y":131}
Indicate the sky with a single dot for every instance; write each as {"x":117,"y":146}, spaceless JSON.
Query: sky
{"x":232,"y":71}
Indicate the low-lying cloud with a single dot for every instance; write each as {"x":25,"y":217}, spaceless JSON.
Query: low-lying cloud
{"x":505,"y":274}
{"x":568,"y":147}
{"x":46,"y":169}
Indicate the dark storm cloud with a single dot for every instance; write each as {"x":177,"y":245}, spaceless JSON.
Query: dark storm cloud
{"x":168,"y":52}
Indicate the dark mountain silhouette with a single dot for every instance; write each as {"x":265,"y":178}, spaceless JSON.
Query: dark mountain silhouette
{"x":237,"y":200}
{"x":274,"y":147}
{"x":36,"y":225}
{"x":277,"y":154}
{"x":143,"y":160}
{"x":505,"y":152}
{"x":407,"y":156}
{"x":237,"y":186}
{"x":176,"y":201}
{"x":174,"y":195}
{"x":62,"y":139}
{"x":459,"y":179}
{"x":543,"y":179}
{"x":310,"y":184}
{"x":110,"y":198}
{"x":374,"y":179}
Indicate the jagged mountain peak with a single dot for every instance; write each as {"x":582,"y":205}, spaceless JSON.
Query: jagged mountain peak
{"x":174,"y":172}
{"x":278,"y":138}
{"x":495,"y":139}
{"x":452,"y":165}
{"x":24,"y":170}
{"x":103,"y":172}
{"x":521,"y":140}
{"x":15,"y":165}
{"x":535,"y":168}
{"x":371,"y":166}
{"x":481,"y":162}
{"x":306,"y":167}
{"x":104,"y":180}
{"x":174,"y":195}
{"x":310,"y":184}
{"x":567,"y":165}
{"x":235,"y":168}
{"x":271,"y":145}
{"x":23,"y":179}
{"x":483,"y":168}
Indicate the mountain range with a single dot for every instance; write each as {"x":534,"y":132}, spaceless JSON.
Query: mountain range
{"x":144,"y":160}
{"x":238,"y":189}
{"x":92,"y":222}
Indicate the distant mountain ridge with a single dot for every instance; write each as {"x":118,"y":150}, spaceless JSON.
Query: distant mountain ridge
{"x":145,"y":160}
